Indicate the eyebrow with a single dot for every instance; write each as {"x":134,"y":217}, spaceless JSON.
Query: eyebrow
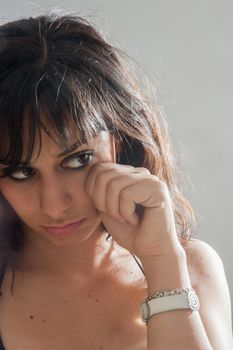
{"x":70,"y":149}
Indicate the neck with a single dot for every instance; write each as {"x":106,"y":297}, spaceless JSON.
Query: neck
{"x":81,"y":261}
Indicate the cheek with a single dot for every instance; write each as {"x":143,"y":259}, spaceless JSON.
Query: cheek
{"x":19,"y":199}
{"x":76,"y":189}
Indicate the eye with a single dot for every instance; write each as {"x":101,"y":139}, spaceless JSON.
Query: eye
{"x":77,"y":160}
{"x":74,"y":162}
{"x":21,"y":173}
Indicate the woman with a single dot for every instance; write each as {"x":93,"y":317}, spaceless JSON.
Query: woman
{"x":89,"y":186}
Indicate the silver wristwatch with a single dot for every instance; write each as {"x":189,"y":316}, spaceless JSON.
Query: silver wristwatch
{"x":181,"y":298}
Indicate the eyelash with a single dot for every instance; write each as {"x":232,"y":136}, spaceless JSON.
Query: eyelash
{"x":9,"y":172}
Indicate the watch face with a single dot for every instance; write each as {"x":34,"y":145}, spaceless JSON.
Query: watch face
{"x":194,"y":302}
{"x":144,"y":311}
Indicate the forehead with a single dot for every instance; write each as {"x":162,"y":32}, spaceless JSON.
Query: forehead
{"x":50,"y":148}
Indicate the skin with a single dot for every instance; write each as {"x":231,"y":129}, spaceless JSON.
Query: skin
{"x":106,"y":193}
{"x":52,"y":197}
{"x":101,"y":192}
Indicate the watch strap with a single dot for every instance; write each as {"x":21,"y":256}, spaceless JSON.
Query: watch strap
{"x":185,"y":300}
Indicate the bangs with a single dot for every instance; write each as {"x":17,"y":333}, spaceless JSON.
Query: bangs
{"x":60,"y":76}
{"x":68,"y":113}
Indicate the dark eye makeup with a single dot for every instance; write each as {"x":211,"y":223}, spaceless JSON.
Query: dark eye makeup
{"x":77,"y":160}
{"x":74,"y":162}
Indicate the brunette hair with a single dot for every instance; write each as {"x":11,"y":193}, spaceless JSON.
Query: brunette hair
{"x":55,"y":69}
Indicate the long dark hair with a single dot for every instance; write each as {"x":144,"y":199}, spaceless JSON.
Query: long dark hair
{"x":55,"y":69}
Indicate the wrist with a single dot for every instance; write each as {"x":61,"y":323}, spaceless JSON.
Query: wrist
{"x":171,"y":248}
{"x":175,"y":253}
{"x":166,"y":272}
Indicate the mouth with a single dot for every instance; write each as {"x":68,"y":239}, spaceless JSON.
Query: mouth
{"x":64,"y":229}
{"x":63,"y":226}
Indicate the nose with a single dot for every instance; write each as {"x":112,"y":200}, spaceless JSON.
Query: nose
{"x":55,"y":198}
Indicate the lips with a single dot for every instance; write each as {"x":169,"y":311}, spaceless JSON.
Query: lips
{"x":62,"y":226}
{"x":65,"y":229}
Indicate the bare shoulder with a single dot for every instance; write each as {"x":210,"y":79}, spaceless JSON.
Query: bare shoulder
{"x":202,"y":259}
{"x":205,"y":264}
{"x":208,"y":277}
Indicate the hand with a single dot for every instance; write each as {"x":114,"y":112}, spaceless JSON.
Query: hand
{"x":135,"y":208}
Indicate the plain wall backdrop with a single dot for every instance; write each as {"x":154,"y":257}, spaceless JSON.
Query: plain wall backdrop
{"x":186,"y":48}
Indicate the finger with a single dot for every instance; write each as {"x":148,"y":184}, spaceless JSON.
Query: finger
{"x":98,"y":194}
{"x":108,"y":185}
{"x":113,"y":190}
{"x":150,"y":194}
{"x":97,"y":169}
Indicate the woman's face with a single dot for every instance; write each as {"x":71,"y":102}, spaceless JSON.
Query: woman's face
{"x":50,"y":191}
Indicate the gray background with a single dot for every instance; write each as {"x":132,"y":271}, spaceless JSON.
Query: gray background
{"x":186,"y":49}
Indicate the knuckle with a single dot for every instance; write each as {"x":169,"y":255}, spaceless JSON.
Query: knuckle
{"x":144,"y":170}
{"x":125,"y":167}
{"x":160,"y":185}
{"x":163,"y":187}
{"x":158,"y":180}
{"x":130,"y":167}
